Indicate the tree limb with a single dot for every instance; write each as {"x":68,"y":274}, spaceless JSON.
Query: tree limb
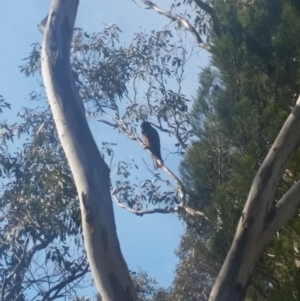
{"x":285,"y":209}
{"x":62,"y":284}
{"x":180,"y":208}
{"x":21,"y":268}
{"x":261,"y":217}
{"x":183,"y":21}
{"x":91,"y":174}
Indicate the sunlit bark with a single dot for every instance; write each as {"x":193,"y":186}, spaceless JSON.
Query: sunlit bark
{"x":90,"y":172}
{"x":261,"y":217}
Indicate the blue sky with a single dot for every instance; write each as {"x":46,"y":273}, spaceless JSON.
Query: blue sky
{"x":147,"y":242}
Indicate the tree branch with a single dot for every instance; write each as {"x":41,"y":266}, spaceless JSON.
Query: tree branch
{"x":285,"y":209}
{"x":62,"y":284}
{"x":180,"y":208}
{"x":181,"y":188}
{"x":23,"y":263}
{"x":260,"y":219}
{"x":184,"y":22}
{"x":90,"y":172}
{"x":142,"y":212}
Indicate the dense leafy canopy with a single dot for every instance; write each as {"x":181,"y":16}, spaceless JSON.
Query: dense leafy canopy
{"x":244,"y":97}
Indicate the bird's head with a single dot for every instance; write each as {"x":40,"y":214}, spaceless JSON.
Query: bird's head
{"x":145,"y":125}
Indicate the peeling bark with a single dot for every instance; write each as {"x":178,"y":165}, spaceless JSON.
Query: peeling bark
{"x":90,"y":172}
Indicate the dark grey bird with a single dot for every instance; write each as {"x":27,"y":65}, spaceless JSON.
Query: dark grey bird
{"x":152,"y":142}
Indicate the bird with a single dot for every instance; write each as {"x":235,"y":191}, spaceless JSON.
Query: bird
{"x":152,"y":142}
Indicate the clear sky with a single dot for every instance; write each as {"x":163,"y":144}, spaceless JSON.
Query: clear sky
{"x":147,"y":242}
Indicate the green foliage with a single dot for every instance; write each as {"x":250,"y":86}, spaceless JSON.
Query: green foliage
{"x":112,"y":81}
{"x":146,"y":287}
{"x":40,"y":217}
{"x":244,"y":97}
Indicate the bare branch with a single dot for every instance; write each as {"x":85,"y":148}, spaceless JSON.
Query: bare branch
{"x":113,"y":125}
{"x":3,"y":286}
{"x":23,"y":264}
{"x":180,"y":208}
{"x":191,"y":212}
{"x":286,"y":208}
{"x":174,"y":132}
{"x":62,"y":284}
{"x":181,"y":189}
{"x":142,"y":212}
{"x":183,"y":21}
{"x":42,"y":24}
{"x":21,"y":292}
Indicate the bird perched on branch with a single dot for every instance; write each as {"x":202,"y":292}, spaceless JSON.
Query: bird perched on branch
{"x":152,"y":142}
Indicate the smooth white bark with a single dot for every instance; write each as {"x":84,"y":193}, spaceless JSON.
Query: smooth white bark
{"x":90,"y":172}
{"x":262,"y":216}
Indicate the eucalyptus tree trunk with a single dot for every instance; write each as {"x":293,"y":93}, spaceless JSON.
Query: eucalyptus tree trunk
{"x":89,"y":170}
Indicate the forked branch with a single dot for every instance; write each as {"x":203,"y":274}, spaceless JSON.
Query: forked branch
{"x":183,"y":21}
{"x":261,"y":217}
